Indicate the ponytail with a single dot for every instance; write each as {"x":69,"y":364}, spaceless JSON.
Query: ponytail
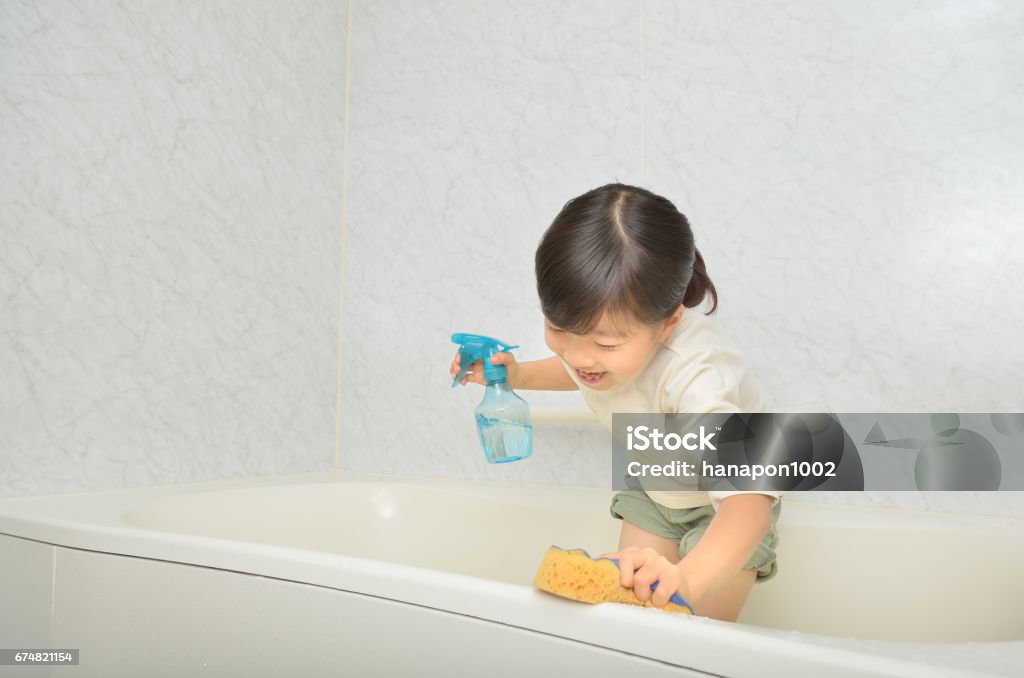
{"x":700,"y":285}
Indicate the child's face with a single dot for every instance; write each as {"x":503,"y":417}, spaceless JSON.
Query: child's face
{"x":606,"y":357}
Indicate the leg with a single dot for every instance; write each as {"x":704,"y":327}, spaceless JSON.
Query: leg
{"x":727,"y":602}
{"x":631,"y":535}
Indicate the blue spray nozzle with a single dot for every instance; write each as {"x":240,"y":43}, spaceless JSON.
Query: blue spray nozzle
{"x":473,"y":347}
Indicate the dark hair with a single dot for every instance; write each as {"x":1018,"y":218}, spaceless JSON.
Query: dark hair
{"x":623,"y":250}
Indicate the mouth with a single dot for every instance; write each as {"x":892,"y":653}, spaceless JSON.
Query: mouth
{"x":590,"y":377}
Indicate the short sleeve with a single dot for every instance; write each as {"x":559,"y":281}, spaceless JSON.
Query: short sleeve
{"x":705,"y":380}
{"x":709,"y":383}
{"x":717,"y":497}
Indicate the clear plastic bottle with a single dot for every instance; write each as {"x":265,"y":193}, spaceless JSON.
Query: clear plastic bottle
{"x":503,"y":421}
{"x":502,"y":418}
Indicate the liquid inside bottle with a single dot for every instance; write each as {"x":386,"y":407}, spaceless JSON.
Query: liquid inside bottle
{"x":504,"y":440}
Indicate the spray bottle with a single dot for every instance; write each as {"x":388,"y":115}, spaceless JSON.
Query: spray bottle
{"x":502,"y":418}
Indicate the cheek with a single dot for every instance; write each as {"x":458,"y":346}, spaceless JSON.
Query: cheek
{"x":631,"y":361}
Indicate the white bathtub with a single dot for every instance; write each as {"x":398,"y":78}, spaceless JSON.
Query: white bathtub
{"x":354,"y":574}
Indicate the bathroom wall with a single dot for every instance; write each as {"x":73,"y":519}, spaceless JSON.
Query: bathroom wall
{"x":852,"y":172}
{"x":470,"y":124}
{"x":178,"y":193}
{"x":169,"y":240}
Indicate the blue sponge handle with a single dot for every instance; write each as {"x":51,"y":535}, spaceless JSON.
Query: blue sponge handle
{"x":676,"y":598}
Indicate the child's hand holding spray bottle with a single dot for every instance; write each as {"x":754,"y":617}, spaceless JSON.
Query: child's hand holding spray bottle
{"x":502,"y":418}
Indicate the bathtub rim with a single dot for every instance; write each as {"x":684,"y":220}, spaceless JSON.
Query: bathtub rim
{"x":90,"y":521}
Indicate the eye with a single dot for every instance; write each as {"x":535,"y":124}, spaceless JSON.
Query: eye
{"x":607,"y":347}
{"x":555,"y":329}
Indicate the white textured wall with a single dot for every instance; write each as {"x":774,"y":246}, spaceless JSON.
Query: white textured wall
{"x":852,"y":172}
{"x":170,"y":210}
{"x":470,"y":125}
{"x":172,"y":217}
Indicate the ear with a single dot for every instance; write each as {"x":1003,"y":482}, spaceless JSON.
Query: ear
{"x":670,"y":323}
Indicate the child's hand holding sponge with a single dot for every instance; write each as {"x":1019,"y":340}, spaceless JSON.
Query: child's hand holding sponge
{"x":574,"y":574}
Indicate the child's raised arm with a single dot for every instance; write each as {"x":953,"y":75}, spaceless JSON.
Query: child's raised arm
{"x":545,"y":375}
{"x":535,"y":375}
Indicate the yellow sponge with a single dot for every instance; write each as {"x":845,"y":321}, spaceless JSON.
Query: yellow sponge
{"x":574,"y":574}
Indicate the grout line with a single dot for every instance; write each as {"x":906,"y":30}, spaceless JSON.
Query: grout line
{"x":53,"y":596}
{"x":341,"y":241}
{"x":643,"y":91}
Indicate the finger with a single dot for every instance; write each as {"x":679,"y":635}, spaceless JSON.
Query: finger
{"x":642,"y":564}
{"x":660,"y":592}
{"x":661,"y":595}
{"x":642,"y":581}
{"x":668,"y":585}
{"x":627,"y":558}
{"x":626,"y":569}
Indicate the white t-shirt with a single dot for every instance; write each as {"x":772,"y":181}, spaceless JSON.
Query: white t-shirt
{"x":697,"y":369}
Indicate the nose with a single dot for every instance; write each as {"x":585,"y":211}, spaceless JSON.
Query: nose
{"x":575,"y":355}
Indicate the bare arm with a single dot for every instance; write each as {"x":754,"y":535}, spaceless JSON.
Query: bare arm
{"x":544,"y":375}
{"x":734,"y":533}
{"x":535,"y":375}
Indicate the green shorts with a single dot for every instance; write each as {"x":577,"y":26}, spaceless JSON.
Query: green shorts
{"x":688,"y":525}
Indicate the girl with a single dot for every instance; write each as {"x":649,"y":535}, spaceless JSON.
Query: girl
{"x":617,"y":271}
